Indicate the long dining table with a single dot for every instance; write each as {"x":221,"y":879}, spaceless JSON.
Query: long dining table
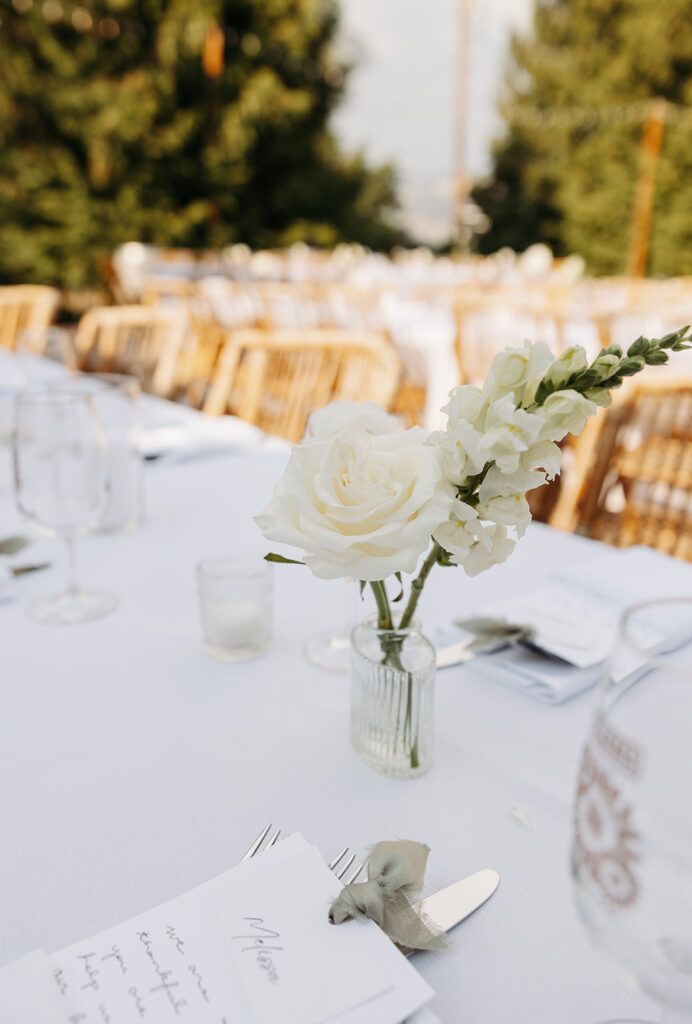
{"x":134,"y":767}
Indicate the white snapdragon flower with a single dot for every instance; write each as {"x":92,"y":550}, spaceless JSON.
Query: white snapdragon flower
{"x":564,"y":412}
{"x":572,"y":361}
{"x":514,"y":368}
{"x":338,"y":416}
{"x":495,"y":547}
{"x":543,"y":455}
{"x":465,"y":403}
{"x":502,"y":497}
{"x":510,"y":431}
{"x":464,"y":450}
{"x":360,"y":505}
{"x":508,"y":510}
{"x":458,"y":535}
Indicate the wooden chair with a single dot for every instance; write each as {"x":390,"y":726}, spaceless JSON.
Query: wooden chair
{"x":275,"y":379}
{"x":25,"y":306}
{"x":632,"y":482}
{"x":144,"y":341}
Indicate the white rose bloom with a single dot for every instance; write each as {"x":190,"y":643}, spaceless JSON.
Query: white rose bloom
{"x":337,"y":416}
{"x":572,"y":361}
{"x":360,"y":506}
{"x":564,"y":412}
{"x":512,"y":369}
{"x":510,"y":432}
{"x":544,"y":455}
{"x":464,"y":450}
{"x":496,"y":547}
{"x":465,"y":403}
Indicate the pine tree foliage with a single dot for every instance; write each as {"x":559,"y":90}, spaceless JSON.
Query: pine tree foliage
{"x":566,"y":169}
{"x":138,"y":119}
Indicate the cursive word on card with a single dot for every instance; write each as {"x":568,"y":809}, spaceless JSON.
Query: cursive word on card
{"x":259,"y":945}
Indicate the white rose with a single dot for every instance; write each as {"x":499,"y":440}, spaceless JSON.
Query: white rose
{"x":510,"y":432}
{"x":572,"y":361}
{"x":464,"y":450}
{"x":511,"y":370}
{"x":337,"y":416}
{"x":360,"y":506}
{"x":564,"y":412}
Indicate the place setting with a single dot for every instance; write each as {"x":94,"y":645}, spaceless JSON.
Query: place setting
{"x":345,"y":512}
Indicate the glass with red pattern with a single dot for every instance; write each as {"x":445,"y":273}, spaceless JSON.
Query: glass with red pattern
{"x":632,"y":839}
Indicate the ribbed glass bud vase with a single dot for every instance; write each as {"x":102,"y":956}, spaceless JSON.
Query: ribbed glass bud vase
{"x":392,"y":698}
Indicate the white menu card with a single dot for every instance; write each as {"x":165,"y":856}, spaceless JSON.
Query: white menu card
{"x":253,"y":946}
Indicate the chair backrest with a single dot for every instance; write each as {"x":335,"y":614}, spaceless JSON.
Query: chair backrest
{"x":144,"y":341}
{"x":275,"y":379}
{"x":25,"y":306}
{"x":634,"y":483}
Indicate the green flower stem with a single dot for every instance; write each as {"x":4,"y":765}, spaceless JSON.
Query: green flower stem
{"x":384,"y":615}
{"x":419,"y":582}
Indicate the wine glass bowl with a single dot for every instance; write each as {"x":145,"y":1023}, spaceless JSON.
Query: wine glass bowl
{"x":61,"y":486}
{"x":632,"y":839}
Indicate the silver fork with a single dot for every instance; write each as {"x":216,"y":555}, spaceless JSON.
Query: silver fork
{"x":335,"y":864}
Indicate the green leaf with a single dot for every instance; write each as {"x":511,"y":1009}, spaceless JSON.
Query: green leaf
{"x":399,"y":596}
{"x":362,"y":584}
{"x":272,"y":557}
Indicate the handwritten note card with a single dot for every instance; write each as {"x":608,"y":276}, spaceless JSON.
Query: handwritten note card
{"x":170,"y":964}
{"x":253,"y":946}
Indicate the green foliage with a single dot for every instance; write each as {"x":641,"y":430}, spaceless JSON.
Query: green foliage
{"x":112,"y":130}
{"x":566,"y":170}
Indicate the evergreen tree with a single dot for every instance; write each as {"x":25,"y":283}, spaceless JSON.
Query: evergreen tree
{"x":565,"y":172}
{"x":178,"y":122}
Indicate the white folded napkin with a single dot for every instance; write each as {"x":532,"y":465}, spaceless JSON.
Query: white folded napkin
{"x":8,"y":584}
{"x":576,"y":619}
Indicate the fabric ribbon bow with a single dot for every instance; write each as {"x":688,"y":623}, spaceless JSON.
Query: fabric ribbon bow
{"x":395,"y":876}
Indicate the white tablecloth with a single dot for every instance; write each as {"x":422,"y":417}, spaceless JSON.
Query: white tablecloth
{"x":133,"y":766}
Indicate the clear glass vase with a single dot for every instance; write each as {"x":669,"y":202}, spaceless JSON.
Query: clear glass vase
{"x":392,"y":698}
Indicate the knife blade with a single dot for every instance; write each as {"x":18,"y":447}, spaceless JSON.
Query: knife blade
{"x":466,"y":650}
{"x":450,"y":906}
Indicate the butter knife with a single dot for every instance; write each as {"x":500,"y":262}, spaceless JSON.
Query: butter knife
{"x":450,"y":906}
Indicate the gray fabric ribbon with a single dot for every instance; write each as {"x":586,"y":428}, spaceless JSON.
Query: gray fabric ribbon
{"x":493,"y":634}
{"x":395,"y":876}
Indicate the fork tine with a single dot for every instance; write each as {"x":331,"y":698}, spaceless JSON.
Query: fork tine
{"x":273,"y":839}
{"x":355,"y":873}
{"x":335,"y":860}
{"x":257,"y":843}
{"x":342,"y":871}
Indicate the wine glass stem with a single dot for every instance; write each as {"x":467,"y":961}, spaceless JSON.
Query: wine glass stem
{"x":70,"y":544}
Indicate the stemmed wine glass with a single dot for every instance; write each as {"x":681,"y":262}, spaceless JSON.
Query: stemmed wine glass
{"x":632,"y":839}
{"x":61,"y":487}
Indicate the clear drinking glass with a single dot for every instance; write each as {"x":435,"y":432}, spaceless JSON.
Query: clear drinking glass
{"x":236,"y":599}
{"x":116,"y":399}
{"x":632,"y":841}
{"x":61,"y":487}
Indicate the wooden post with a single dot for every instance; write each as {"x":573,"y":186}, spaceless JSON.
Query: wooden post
{"x":652,"y":137}
{"x":461,"y":81}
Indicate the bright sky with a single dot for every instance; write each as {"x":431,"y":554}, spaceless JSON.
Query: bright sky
{"x":399,"y":101}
